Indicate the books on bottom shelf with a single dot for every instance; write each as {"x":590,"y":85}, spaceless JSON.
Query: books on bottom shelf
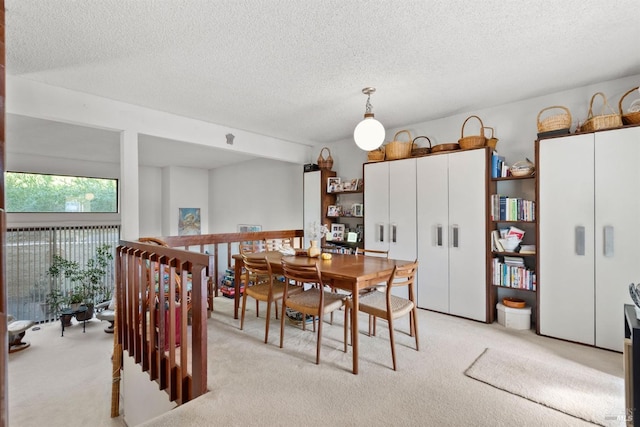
{"x":513,"y":275}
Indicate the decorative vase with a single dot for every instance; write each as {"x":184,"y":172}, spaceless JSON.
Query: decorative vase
{"x":314,"y":249}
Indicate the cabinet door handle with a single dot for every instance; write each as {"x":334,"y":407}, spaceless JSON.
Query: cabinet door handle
{"x":394,"y":229}
{"x":455,"y":231}
{"x":439,"y":235}
{"x":608,"y":240}
{"x":579,"y":237}
{"x":381,"y":232}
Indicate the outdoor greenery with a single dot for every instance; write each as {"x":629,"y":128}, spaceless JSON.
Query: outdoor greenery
{"x":88,"y":282}
{"x":26,"y":192}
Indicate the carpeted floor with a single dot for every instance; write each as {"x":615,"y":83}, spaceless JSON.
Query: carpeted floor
{"x":555,"y":382}
{"x":67,"y":381}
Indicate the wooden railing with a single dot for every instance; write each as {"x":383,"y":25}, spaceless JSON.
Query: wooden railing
{"x":160,"y":291}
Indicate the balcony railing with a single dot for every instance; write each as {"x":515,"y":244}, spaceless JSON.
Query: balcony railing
{"x":164,"y":295}
{"x":29,"y":253}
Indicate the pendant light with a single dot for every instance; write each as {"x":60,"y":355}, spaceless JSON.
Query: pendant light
{"x":369,"y":133}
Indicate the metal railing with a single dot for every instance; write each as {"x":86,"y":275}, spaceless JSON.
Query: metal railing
{"x":29,"y":253}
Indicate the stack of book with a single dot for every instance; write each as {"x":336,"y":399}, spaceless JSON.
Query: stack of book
{"x":505,"y":208}
{"x":513,"y":273}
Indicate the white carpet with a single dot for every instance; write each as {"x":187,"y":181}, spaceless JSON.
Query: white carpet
{"x":556,"y":382}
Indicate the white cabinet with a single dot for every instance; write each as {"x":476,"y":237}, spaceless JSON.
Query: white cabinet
{"x":451,"y":218}
{"x":390,"y":208}
{"x":589,"y":234}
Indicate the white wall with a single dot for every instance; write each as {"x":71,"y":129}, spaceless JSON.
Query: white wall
{"x":184,"y":188}
{"x":515,"y":123}
{"x":150,"y":201}
{"x":262,"y":192}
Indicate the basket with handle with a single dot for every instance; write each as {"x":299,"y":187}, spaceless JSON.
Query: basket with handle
{"x":398,"y":149}
{"x":492,"y":141}
{"x":475,"y":141}
{"x":376,"y":155}
{"x":554,"y":122}
{"x":420,"y":151}
{"x":603,"y":121}
{"x":632,"y":116}
{"x":325,"y":163}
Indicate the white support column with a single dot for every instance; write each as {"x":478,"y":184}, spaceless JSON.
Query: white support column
{"x":129,"y":185}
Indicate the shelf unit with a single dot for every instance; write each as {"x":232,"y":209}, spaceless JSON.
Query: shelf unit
{"x":522,"y":188}
{"x":351,"y":222}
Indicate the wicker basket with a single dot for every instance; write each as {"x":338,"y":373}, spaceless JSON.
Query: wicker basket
{"x":631,"y":117}
{"x":492,"y":141}
{"x":476,"y":141}
{"x":325,"y":163}
{"x":522,"y":168}
{"x":376,"y":155}
{"x":420,"y":151}
{"x":603,"y":121}
{"x":398,"y":149}
{"x":555,"y":122}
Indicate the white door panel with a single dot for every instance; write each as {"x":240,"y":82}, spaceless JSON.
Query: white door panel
{"x":467,"y":263}
{"x":433,"y":241}
{"x":617,"y":230}
{"x":566,"y":270}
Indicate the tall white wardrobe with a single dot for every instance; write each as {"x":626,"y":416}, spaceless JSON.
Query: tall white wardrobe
{"x":433,"y":209}
{"x":589,"y":234}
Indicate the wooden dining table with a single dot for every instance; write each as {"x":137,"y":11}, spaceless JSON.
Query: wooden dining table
{"x":347,"y":272}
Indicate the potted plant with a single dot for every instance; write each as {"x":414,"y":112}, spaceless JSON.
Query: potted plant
{"x":89,"y":287}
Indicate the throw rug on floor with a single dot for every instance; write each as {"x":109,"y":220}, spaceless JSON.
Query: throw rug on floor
{"x":558,"y":383}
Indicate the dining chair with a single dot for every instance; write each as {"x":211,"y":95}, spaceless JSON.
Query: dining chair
{"x":261,"y":286}
{"x":315,"y":301}
{"x":277,"y":244}
{"x":387,"y":306}
{"x":372,"y":252}
{"x":369,"y":252}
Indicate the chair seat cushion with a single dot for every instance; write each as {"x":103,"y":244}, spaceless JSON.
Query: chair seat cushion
{"x":375,"y":303}
{"x":19,"y":326}
{"x":308,"y":301}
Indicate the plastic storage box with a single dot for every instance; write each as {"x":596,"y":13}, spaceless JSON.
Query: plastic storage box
{"x":514,"y":318}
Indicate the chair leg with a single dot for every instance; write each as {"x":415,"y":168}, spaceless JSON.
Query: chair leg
{"x":266,"y":328}
{"x":319,"y":338}
{"x":257,"y":308}
{"x":244,"y":307}
{"x":282,"y":323}
{"x":346,"y":327}
{"x":392,"y":341}
{"x":414,"y":322}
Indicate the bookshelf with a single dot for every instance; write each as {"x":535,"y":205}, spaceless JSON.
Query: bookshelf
{"x":511,"y":237}
{"x":344,"y":212}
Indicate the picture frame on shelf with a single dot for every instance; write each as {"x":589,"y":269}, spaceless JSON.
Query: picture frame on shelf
{"x":337,"y":232}
{"x":359,"y":184}
{"x":357,"y":209}
{"x":350,"y":185}
{"x":333,"y":211}
{"x":334,"y":184}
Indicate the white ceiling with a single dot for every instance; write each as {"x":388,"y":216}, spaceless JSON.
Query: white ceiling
{"x":295,"y":69}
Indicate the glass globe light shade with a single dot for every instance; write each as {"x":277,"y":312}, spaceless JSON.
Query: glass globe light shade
{"x":369,"y":133}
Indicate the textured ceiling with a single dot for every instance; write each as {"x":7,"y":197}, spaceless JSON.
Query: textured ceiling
{"x":295,"y":69}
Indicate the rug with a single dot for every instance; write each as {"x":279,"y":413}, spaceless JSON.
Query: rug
{"x":558,"y":383}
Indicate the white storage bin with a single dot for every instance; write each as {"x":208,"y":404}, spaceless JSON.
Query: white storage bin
{"x":514,"y":318}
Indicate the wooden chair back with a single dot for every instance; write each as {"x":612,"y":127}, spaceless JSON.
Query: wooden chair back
{"x":372,"y":252}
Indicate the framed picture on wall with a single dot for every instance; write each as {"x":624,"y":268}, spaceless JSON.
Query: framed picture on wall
{"x":188,"y":221}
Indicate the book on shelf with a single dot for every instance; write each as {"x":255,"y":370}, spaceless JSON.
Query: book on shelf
{"x":497,"y":162}
{"x":495,"y":241}
{"x":527,"y":249}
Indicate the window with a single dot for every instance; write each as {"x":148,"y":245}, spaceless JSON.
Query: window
{"x":31,"y":192}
